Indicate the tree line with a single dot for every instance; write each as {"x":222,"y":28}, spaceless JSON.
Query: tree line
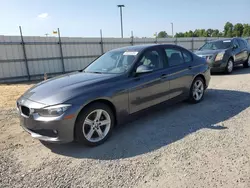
{"x":230,"y":30}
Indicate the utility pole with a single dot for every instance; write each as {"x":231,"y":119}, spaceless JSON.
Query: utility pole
{"x":61,"y":51}
{"x":121,"y":6}
{"x":172,"y":29}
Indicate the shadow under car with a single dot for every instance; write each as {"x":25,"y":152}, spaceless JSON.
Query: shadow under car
{"x":158,"y":128}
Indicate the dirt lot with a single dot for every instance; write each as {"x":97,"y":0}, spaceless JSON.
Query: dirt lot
{"x":202,"y":145}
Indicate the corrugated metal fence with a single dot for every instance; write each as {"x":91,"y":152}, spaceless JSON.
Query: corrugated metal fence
{"x":28,"y":58}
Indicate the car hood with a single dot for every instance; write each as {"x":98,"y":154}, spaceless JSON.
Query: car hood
{"x":62,"y":88}
{"x":208,"y":52}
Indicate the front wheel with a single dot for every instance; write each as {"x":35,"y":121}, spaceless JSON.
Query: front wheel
{"x":94,"y":124}
{"x":229,"y":67}
{"x":247,"y":63}
{"x":197,"y":90}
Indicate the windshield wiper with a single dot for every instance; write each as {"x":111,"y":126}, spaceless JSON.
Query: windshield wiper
{"x":96,"y":72}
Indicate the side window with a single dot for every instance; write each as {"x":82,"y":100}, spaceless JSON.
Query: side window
{"x":242,"y":44}
{"x":246,"y":43}
{"x":152,"y":59}
{"x":187,"y":57}
{"x":174,"y":57}
{"x":235,"y":42}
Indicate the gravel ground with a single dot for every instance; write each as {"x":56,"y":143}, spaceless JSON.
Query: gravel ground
{"x":202,"y":145}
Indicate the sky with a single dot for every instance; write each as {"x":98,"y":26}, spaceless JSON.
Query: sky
{"x":85,"y":18}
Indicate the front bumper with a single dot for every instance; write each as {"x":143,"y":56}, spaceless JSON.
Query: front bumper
{"x":217,"y":66}
{"x":55,"y":129}
{"x":45,"y":131}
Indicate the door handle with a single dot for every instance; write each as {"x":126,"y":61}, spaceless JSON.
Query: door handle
{"x":190,"y":67}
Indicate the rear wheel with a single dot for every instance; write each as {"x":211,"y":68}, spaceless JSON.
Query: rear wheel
{"x":94,"y":125}
{"x":197,"y":90}
{"x":230,"y":66}
{"x":247,"y":63}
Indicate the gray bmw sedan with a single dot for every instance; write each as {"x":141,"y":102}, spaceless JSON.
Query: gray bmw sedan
{"x":87,"y":104}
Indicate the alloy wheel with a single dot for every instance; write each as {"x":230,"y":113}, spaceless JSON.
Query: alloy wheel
{"x":96,"y":125}
{"x":198,"y":90}
{"x":230,"y":66}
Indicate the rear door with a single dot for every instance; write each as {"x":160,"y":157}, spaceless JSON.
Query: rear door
{"x":179,"y":71}
{"x":149,"y":89}
{"x":236,"y":52}
{"x":243,"y":50}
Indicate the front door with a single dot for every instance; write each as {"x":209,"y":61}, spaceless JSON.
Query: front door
{"x":149,"y":89}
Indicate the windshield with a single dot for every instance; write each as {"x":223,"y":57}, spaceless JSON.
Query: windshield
{"x":115,"y":62}
{"x":217,"y":45}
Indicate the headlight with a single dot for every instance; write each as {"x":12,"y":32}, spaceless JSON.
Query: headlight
{"x":53,"y":111}
{"x":219,"y":56}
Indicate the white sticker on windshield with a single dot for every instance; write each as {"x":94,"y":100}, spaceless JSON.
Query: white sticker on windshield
{"x":227,"y":41}
{"x":130,"y":53}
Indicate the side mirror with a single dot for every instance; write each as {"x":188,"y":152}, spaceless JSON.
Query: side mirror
{"x":235,"y":46}
{"x":143,"y":69}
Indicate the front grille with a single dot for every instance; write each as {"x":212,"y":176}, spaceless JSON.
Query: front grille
{"x":25,"y":110}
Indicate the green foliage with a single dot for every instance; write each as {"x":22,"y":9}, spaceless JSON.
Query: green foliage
{"x":209,"y":32}
{"x":179,"y":35}
{"x":162,"y":34}
{"x":230,"y":30}
{"x":238,"y":30}
{"x":215,"y":33}
{"x":246,"y":30}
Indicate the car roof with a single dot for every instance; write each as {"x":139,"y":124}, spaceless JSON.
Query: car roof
{"x":142,"y":47}
{"x":217,"y":40}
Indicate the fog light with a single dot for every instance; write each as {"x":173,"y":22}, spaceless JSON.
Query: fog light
{"x":55,"y":131}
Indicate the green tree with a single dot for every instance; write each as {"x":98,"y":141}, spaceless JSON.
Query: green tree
{"x":162,"y":34}
{"x":246,"y":30}
{"x":215,"y":33}
{"x":228,"y":29}
{"x":197,"y":33}
{"x":190,"y":33}
{"x":210,"y":32}
{"x":200,"y":33}
{"x":238,"y":30}
{"x":178,"y":35}
{"x":204,"y":33}
{"x":221,"y":34}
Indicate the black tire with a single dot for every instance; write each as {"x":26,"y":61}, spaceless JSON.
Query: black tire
{"x":192,"y":98}
{"x":228,"y":70}
{"x":79,"y":136}
{"x":247,"y":63}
